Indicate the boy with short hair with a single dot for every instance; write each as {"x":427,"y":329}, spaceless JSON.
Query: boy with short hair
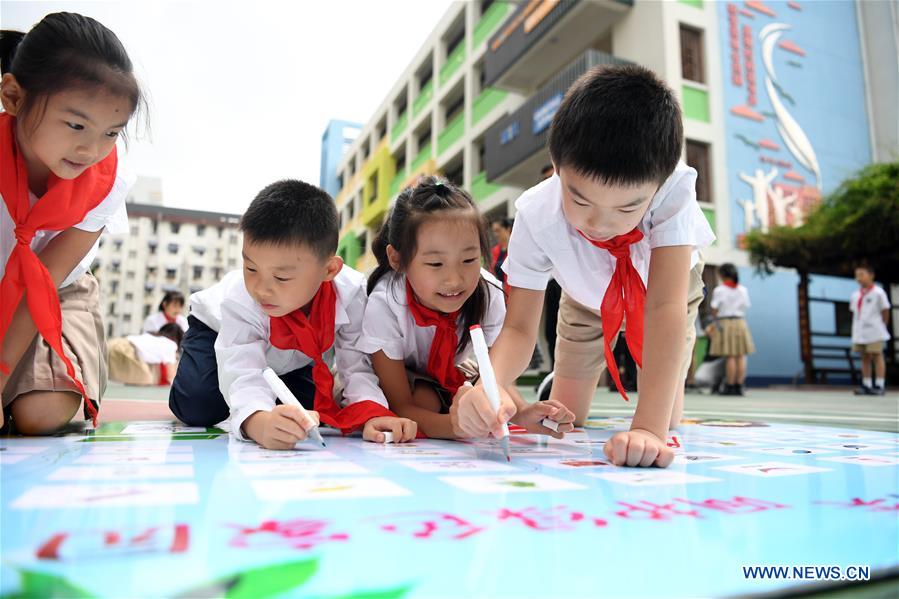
{"x":870,"y":309}
{"x":619,"y":228}
{"x":295,"y":308}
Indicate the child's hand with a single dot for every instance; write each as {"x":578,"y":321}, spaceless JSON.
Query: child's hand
{"x":473,"y":416}
{"x":403,"y":429}
{"x":531,"y":418}
{"x":638,"y":447}
{"x":282,"y":428}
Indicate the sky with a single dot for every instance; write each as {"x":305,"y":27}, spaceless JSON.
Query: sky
{"x":240,"y":93}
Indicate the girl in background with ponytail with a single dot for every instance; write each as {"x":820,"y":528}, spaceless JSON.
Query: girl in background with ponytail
{"x":730,"y":335}
{"x":68,"y":90}
{"x":428,"y":289}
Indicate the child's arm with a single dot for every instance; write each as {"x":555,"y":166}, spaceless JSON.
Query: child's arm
{"x":395,"y":384}
{"x":664,"y":322}
{"x":476,"y":416}
{"x":240,"y":351}
{"x":61,"y":256}
{"x":355,"y":368}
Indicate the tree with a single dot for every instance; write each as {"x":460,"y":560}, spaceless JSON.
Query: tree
{"x":857,"y":224}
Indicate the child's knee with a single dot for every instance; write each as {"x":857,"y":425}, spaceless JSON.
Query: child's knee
{"x":43,"y":412}
{"x":424,"y":396}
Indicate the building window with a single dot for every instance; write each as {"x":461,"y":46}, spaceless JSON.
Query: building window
{"x":691,"y":54}
{"x":454,"y":109}
{"x":456,"y":174}
{"x":155,"y":226}
{"x":232,"y":263}
{"x":199,"y":250}
{"x":113,"y":287}
{"x":152,"y":245}
{"x":130,"y":275}
{"x":201,"y":230}
{"x":132,"y":253}
{"x":133,"y":230}
{"x":171,"y":273}
{"x":176,"y":227}
{"x":232,"y":239}
{"x":698,"y":158}
{"x":217,"y":273}
{"x":151,"y":271}
{"x":424,"y":139}
{"x":118,"y":244}
{"x":221,"y":231}
{"x":129,"y":296}
{"x":173,"y":248}
{"x":147,"y":308}
{"x":126,"y":317}
{"x":198,"y":272}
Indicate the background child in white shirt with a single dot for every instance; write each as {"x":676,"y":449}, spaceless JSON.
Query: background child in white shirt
{"x":870,"y":308}
{"x":616,"y":143}
{"x":730,"y":335}
{"x":428,"y":289}
{"x":170,"y":310}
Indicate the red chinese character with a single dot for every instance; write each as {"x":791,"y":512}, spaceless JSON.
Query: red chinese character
{"x":653,"y":511}
{"x":93,"y":544}
{"x":557,"y":518}
{"x":737,"y":505}
{"x":299,"y":534}
{"x":428,"y":525}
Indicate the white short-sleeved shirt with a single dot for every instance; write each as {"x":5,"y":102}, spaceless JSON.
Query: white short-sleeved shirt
{"x":157,"y":320}
{"x":389,"y":326}
{"x":867,"y":323}
{"x":243,"y":348}
{"x":110,"y":213}
{"x":545,"y":245}
{"x":730,"y":302}
{"x":154,"y":349}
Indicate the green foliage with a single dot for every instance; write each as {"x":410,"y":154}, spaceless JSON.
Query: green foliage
{"x":858,"y":223}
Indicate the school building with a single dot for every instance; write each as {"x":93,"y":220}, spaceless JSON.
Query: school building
{"x":165,"y":249}
{"x":781,"y":101}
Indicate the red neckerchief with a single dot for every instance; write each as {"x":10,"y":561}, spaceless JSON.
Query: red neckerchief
{"x":313,"y":336}
{"x":64,"y":205}
{"x":625,"y":295}
{"x":442,"y":355}
{"x":729,"y":283}
{"x":861,"y":297}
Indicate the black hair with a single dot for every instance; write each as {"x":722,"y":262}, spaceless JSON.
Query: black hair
{"x":293,"y":212}
{"x":505,"y":222}
{"x":172,"y":331}
{"x":729,"y":271}
{"x":620,"y":125}
{"x":68,"y":51}
{"x":170,"y":297}
{"x":430,"y":197}
{"x":866,"y":266}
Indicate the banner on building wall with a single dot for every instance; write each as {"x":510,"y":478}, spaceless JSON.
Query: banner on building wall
{"x":794,"y":107}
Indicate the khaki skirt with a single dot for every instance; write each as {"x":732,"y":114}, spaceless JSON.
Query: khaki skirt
{"x":83,"y":341}
{"x":126,"y":367}
{"x":731,"y":338}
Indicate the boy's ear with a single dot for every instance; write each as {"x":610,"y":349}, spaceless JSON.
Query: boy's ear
{"x":393,"y":257}
{"x":12,"y":95}
{"x":332,"y":267}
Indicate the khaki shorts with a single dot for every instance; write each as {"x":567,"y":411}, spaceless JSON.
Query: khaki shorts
{"x":83,"y":341}
{"x":579,"y":343}
{"x":868,"y":348}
